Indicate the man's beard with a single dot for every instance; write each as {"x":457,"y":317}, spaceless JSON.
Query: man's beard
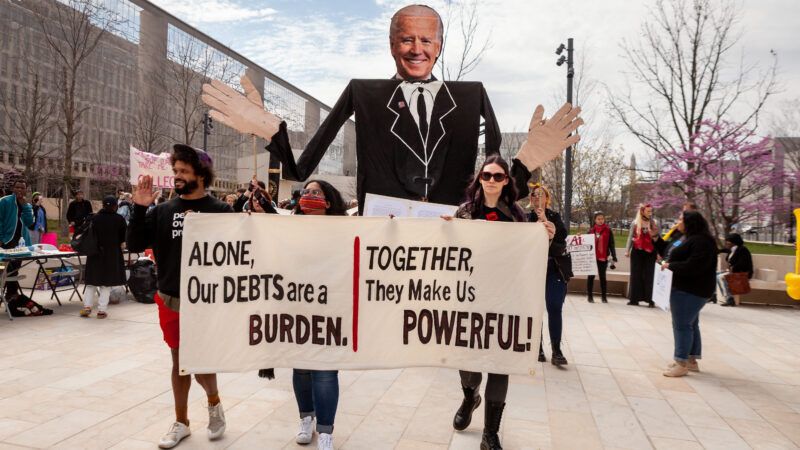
{"x":188,"y":187}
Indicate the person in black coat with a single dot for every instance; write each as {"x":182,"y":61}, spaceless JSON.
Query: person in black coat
{"x":106,"y":269}
{"x":559,"y":270}
{"x":739,"y":261}
{"x":693,"y":263}
{"x":78,"y":210}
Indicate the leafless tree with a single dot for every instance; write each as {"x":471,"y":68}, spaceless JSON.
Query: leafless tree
{"x":680,"y":75}
{"x":462,"y":48}
{"x":73,"y":30}
{"x":31,"y":116}
{"x":149,"y":129}
{"x":785,"y":128}
{"x":191,"y":64}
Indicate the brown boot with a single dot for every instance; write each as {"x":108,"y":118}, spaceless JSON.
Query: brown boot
{"x":676,"y":369}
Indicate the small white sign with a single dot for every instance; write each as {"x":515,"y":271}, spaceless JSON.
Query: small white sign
{"x":157,"y":166}
{"x":381,"y":205}
{"x":662,"y":286}
{"x":581,"y":249}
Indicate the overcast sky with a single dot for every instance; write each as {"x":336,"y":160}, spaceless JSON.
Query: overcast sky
{"x":319,"y":45}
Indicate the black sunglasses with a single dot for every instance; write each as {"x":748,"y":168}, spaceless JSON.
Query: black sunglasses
{"x":498,"y":177}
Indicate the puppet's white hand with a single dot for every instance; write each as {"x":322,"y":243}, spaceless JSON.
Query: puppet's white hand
{"x":548,"y":138}
{"x":244,"y":113}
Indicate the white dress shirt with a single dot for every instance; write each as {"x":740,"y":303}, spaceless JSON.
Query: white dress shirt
{"x":412,"y":94}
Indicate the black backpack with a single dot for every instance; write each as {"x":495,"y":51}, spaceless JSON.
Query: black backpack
{"x":84,"y":241}
{"x":143,"y":281}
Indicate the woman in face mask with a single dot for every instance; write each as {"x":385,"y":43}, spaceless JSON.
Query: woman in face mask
{"x":317,"y":391}
{"x":320,"y":198}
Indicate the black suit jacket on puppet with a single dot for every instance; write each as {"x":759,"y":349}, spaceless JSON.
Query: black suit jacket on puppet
{"x":392,"y":157}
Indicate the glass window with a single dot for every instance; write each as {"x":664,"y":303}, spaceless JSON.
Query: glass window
{"x":285,"y":104}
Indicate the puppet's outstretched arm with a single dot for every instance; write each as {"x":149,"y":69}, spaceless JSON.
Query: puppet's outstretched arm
{"x":244,"y":113}
{"x":548,"y":138}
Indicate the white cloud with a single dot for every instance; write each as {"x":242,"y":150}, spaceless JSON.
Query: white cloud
{"x":200,"y":12}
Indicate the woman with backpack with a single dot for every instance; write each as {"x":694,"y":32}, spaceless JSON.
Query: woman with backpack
{"x":104,"y":269}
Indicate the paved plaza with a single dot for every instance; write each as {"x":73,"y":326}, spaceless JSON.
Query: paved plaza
{"x":67,"y":382}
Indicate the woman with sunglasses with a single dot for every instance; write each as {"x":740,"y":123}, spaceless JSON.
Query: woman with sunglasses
{"x":317,"y":391}
{"x":491,"y":196}
{"x":559,"y":270}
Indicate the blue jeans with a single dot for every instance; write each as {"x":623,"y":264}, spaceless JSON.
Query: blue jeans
{"x":554,"y":293}
{"x":685,"y":309}
{"x":723,"y":284}
{"x":317,"y":394}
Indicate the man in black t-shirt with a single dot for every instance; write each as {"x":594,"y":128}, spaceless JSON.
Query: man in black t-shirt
{"x":162,"y":229}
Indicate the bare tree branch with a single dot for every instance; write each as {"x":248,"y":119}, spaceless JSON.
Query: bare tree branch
{"x":469,"y":49}
{"x":682,"y":61}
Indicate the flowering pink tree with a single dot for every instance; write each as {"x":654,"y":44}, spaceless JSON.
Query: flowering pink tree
{"x":728,"y":171}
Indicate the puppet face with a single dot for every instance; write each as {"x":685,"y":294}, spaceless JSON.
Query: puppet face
{"x":415,"y":46}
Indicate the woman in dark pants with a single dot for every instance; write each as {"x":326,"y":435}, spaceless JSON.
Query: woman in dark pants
{"x":640,"y":248}
{"x":693,"y":263}
{"x":605,"y":253}
{"x":559,"y":270}
{"x":491,"y":196}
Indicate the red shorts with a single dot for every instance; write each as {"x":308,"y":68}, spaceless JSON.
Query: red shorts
{"x":170,"y":323}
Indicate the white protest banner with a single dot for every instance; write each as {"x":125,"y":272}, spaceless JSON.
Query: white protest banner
{"x":662,"y":287}
{"x":318,"y":292}
{"x":157,"y":166}
{"x":581,"y":249}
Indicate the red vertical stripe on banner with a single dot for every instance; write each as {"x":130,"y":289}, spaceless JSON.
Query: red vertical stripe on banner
{"x":356,"y":265}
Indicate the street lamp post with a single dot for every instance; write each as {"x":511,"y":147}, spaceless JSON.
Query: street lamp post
{"x":568,"y":155}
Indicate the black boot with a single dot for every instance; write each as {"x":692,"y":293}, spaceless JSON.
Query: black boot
{"x":729,"y":302}
{"x":542,"y":358}
{"x":558,"y":357}
{"x":472,"y":399}
{"x":605,"y":299}
{"x":633,"y":303}
{"x":491,"y":425}
{"x":713,"y":299}
{"x":590,"y":299}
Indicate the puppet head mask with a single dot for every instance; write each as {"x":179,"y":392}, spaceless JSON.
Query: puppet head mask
{"x":416,"y":40}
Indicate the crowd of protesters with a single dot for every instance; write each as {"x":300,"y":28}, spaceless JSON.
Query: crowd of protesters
{"x":688,"y":250}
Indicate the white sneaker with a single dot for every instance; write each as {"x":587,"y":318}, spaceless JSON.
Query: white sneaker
{"x":176,"y":433}
{"x":216,"y":421}
{"x":306,"y":431}
{"x":325,"y":441}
